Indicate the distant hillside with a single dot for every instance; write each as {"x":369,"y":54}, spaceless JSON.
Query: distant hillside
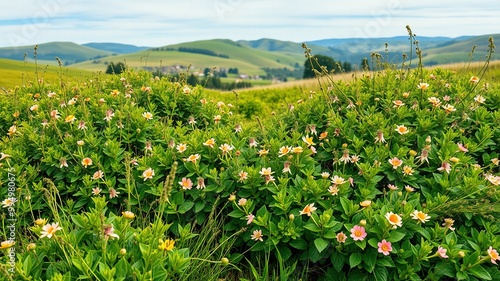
{"x":68,"y":52}
{"x":116,"y":47}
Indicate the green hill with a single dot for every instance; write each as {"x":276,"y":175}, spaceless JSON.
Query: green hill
{"x":68,"y":52}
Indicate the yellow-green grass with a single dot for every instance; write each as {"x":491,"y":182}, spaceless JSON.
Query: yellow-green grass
{"x":15,"y":73}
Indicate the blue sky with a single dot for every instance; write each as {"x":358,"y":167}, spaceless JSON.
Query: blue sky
{"x":157,"y":23}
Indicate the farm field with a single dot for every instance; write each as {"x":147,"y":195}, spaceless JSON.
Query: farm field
{"x":389,"y":174}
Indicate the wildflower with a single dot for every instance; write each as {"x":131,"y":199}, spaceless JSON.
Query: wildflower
{"x":493,"y":179}
{"x":445,"y":166}
{"x":201,"y":183}
{"x":323,"y":135}
{"x":449,"y":108}
{"x":286,"y":167}
{"x":186,"y":90}
{"x":493,"y":254}
{"x":217,"y":119}
{"x":308,"y":210}
{"x":109,"y":232}
{"x":231,"y":198}
{"x":395,"y":162}
{"x":191,"y":120}
{"x":128,"y":215}
{"x":406,"y":95}
{"x":409,"y":188}
{"x":7,"y":244}
{"x":250,"y":218}
{"x":72,"y":101}
{"x":51,"y":94}
{"x":115,"y":93}
{"x":193,"y":158}
{"x":423,"y":156}
{"x":243,"y":176}
{"x":86,"y":162}
{"x":454,"y":159}
{"x":423,"y":86}
{"x":9,"y":202}
{"x":252,"y":142}
{"x":98,"y":175}
{"x":284,"y":150}
{"x":336,"y":180}
{"x":442,"y":252}
{"x":462,"y":148}
{"x":238,"y":128}
{"x":242,"y":202}
{"x":434,"y":101}
{"x":297,"y":150}
{"x":148,"y":174}
{"x":96,"y":191}
{"x":325,"y":175}
{"x":69,"y":119}
{"x":407,"y":170}
{"x":392,"y":187}
{"x":40,"y":222}
{"x":384,"y":247}
{"x":365,"y":203}
{"x":203,"y":101}
{"x":82,"y":126}
{"x":333,"y":189}
{"x":474,"y":79}
{"x":181,"y":147}
{"x":479,"y":99}
{"x":308,"y":140}
{"x":186,"y":183}
{"x":358,"y":233}
{"x":420,"y":216}
{"x":446,"y":98}
{"x":226,"y":148}
{"x":401,"y":129}
{"x":50,"y":230}
{"x":263,"y":152}
{"x":448,"y":223}
{"x":345,"y":157}
{"x":354,"y":158}
{"x":398,"y":103}
{"x":109,"y":115}
{"x":166,"y":245}
{"x":147,"y":115}
{"x":266,"y":171}
{"x":394,"y":219}
{"x":495,"y":161}
{"x":3,"y":156}
{"x":257,"y":235}
{"x":113,"y":193}
{"x":380,"y":137}
{"x":341,"y":237}
{"x":210,"y":143}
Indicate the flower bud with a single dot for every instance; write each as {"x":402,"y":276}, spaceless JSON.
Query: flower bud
{"x":224,"y":261}
{"x":461,"y":254}
{"x":31,"y":246}
{"x":232,"y":197}
{"x":123,"y":252}
{"x":291,"y":217}
{"x":362,"y":222}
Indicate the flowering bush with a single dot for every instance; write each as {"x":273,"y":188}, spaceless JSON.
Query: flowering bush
{"x":393,"y":176}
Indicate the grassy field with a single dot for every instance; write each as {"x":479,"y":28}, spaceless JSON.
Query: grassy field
{"x":15,"y":73}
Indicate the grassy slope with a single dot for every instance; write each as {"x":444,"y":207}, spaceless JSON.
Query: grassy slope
{"x":15,"y":73}
{"x":246,"y":59}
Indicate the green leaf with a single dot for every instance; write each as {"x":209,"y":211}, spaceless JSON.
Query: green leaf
{"x":381,"y":273}
{"x":338,"y":261}
{"x":346,"y":205}
{"x":186,"y":206}
{"x":355,"y":259}
{"x":361,"y":244}
{"x":299,"y":244}
{"x":370,"y":258}
{"x":320,"y":244}
{"x":480,"y":272}
{"x":395,"y":236}
{"x":236,"y":214}
{"x":79,"y":220}
{"x":312,"y":226}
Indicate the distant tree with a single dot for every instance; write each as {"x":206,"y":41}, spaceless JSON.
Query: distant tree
{"x":193,"y":80}
{"x":115,"y":68}
{"x":315,"y":64}
{"x":364,"y":64}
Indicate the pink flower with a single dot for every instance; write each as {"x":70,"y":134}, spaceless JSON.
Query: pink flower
{"x":395,"y":162}
{"x":358,"y":233}
{"x":341,"y":237}
{"x":445,"y":166}
{"x":493,"y":255}
{"x":257,"y":235}
{"x":442,"y":252}
{"x":250,"y":218}
{"x":186,"y":183}
{"x":462,"y":148}
{"x":384,"y":247}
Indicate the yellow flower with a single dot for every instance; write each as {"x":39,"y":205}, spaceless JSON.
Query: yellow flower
{"x":40,"y":222}
{"x":12,"y":130}
{"x":128,"y":215}
{"x":420,"y":216}
{"x":308,"y":140}
{"x":86,"y":162}
{"x":147,"y":115}
{"x":7,"y":244}
{"x":70,"y":119}
{"x":308,"y":210}
{"x":50,"y":230}
{"x":210,"y":143}
{"x":284,"y":150}
{"x":365,"y":203}
{"x":193,"y":158}
{"x":394,"y":219}
{"x":407,"y":170}
{"x":166,"y":245}
{"x":401,"y":129}
{"x":423,"y":86}
{"x":395,"y":162}
{"x":148,"y":174}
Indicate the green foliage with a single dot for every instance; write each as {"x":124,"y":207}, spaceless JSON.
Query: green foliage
{"x":393,"y":176}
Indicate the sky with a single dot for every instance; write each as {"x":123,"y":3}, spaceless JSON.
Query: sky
{"x":156,"y":23}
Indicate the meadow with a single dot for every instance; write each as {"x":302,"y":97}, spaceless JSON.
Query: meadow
{"x":388,"y":174}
